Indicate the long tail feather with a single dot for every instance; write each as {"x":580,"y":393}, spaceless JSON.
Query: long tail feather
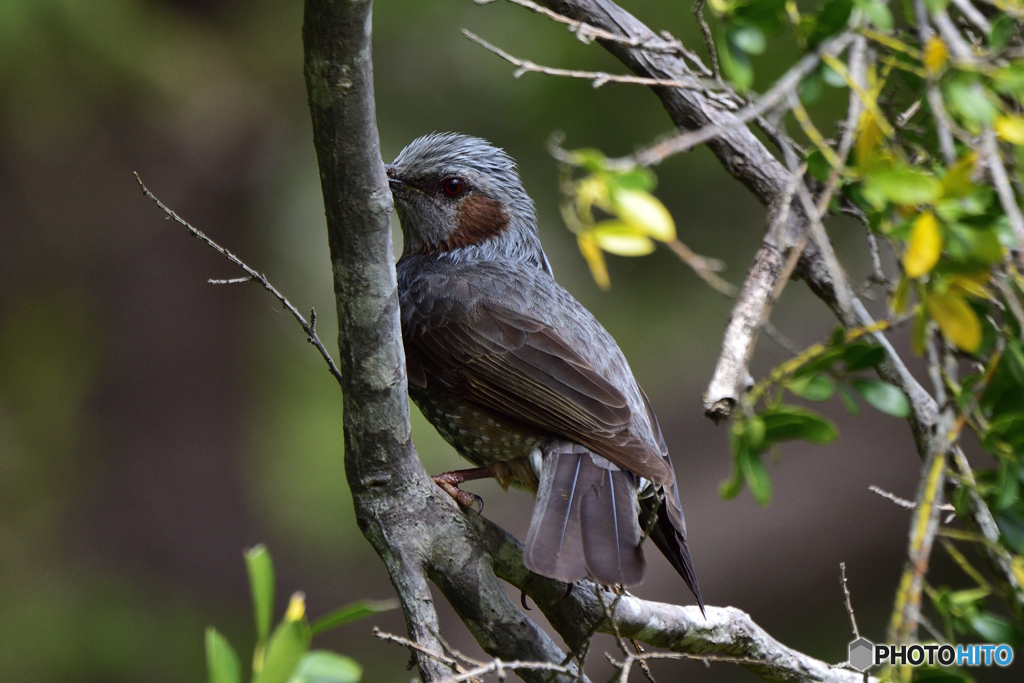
{"x":669,"y":534}
{"x":585,"y":519}
{"x":611,"y":532}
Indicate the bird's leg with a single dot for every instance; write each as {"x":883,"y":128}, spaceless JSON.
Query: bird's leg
{"x":449,"y":481}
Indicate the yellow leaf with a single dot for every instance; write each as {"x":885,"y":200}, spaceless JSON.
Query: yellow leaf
{"x":957,"y":320}
{"x":1018,"y":568}
{"x":935,"y":55}
{"x":924,"y":246}
{"x":595,"y":259}
{"x":869,"y":142}
{"x":1011,"y":129}
{"x":621,"y":238}
{"x":973,"y":285}
{"x":590,"y":191}
{"x":643,"y":211}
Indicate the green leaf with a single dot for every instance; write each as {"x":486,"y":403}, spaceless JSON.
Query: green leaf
{"x":883,"y":396}
{"x":1001,"y":32}
{"x":352,"y":612}
{"x":786,"y":423}
{"x":639,"y":178}
{"x":287,"y":645}
{"x":812,"y":387}
{"x":877,"y":13}
{"x":849,"y":400}
{"x":831,"y":77}
{"x":811,"y":89}
{"x":936,"y":674}
{"x":832,"y":18}
{"x":757,"y":477}
{"x":221,"y":660}
{"x":905,"y":186}
{"x":261,"y":582}
{"x":321,"y":666}
{"x":735,"y":62}
{"x":754,"y":429}
{"x":974,"y":246}
{"x":748,"y":38}
{"x":592,"y":160}
{"x":1008,"y":427}
{"x":818,"y":166}
{"x":970,"y":100}
{"x":861,"y":356}
{"x":994,"y":628}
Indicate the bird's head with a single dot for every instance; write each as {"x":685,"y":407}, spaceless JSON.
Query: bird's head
{"x":461,"y":196}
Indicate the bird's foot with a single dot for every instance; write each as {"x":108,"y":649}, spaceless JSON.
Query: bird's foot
{"x":449,"y":482}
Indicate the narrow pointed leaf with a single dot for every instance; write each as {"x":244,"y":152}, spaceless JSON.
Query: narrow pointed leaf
{"x":221,"y":661}
{"x":353,"y":612}
{"x":261,"y":581}
{"x":287,"y":646}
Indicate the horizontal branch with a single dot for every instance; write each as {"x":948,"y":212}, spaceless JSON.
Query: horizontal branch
{"x":582,"y":611}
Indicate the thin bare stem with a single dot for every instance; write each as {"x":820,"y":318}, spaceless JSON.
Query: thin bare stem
{"x":783,"y":87}
{"x":846,"y":598}
{"x":308,"y":327}
{"x":596,"y":78}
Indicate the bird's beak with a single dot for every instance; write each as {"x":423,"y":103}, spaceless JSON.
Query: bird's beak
{"x":394,"y":183}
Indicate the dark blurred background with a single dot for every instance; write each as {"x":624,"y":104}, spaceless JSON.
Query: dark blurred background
{"x":152,"y":425}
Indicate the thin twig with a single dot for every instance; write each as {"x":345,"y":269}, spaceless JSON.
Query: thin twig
{"x":902,"y":502}
{"x":787,"y":84}
{"x":1000,"y":179}
{"x":596,"y":78}
{"x":308,"y":327}
{"x":703,"y":266}
{"x":709,"y":41}
{"x":405,"y":642}
{"x":846,"y":598}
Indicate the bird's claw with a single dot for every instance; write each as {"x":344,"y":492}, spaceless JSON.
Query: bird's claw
{"x":465,"y":499}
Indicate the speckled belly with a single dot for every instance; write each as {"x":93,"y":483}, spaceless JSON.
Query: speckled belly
{"x":481,"y":437}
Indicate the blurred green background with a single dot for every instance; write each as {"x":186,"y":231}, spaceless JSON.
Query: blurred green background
{"x":152,"y":425}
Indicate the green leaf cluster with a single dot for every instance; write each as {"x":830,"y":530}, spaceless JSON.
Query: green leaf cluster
{"x":283,"y":655}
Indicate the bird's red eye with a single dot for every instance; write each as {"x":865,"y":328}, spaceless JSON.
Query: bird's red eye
{"x":452,"y":187}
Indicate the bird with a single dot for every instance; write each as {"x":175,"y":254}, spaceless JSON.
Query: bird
{"x":519,"y":377}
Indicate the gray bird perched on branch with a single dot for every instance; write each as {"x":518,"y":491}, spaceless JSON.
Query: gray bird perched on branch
{"x":519,"y":377}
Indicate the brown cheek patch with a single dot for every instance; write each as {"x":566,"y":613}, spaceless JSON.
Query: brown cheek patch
{"x":479,"y":217}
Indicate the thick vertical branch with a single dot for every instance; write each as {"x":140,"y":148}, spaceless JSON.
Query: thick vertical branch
{"x":379,"y":453}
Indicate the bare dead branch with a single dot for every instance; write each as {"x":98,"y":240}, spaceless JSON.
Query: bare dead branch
{"x":782,"y":88}
{"x":308,"y":327}
{"x":846,"y":599}
{"x":596,"y":78}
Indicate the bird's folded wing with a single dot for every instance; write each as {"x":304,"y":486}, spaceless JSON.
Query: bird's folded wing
{"x":524,"y":369}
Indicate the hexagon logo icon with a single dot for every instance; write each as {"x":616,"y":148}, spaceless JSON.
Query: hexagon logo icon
{"x":862,"y":654}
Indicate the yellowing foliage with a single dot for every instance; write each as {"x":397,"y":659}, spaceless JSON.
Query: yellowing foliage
{"x":935,"y":55}
{"x":955,"y":317}
{"x":924,"y":246}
